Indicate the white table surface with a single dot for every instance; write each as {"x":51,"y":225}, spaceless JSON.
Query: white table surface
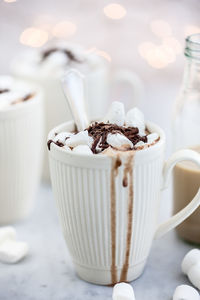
{"x":47,"y":272}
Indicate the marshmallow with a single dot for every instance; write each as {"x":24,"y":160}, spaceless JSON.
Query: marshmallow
{"x":62,"y":136}
{"x":190,"y":259}
{"x":135,"y":118}
{"x":81,"y":138}
{"x":66,"y":148}
{"x":116,"y":114}
{"x":12,"y":251}
{"x":134,"y":114}
{"x":82,"y":149}
{"x":139,"y":144}
{"x":185,"y":292}
{"x":194,"y":275}
{"x":152,"y":137}
{"x":6,"y":233}
{"x":123,"y":291}
{"x":118,"y":140}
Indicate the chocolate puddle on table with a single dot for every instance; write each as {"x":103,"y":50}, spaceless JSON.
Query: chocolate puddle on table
{"x":126,"y":183}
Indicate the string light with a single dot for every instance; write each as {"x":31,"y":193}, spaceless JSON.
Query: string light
{"x":64,"y":29}
{"x":10,"y":1}
{"x":33,"y":37}
{"x":161,"y":28}
{"x":99,"y":52}
{"x":104,"y":54}
{"x":173,"y":43}
{"x":114,"y":11}
{"x":144,"y":48}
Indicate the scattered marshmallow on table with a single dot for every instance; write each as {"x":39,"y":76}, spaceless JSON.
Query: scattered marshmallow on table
{"x":123,"y":291}
{"x":191,"y":267}
{"x":12,"y":251}
{"x":117,"y":140}
{"x":191,"y":258}
{"x":185,"y":292}
{"x":81,"y":138}
{"x":82,"y":149}
{"x":194,"y":275}
{"x":116,"y":114}
{"x":7,"y":232}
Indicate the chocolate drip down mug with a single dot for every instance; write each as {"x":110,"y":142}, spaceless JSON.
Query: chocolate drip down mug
{"x":109,"y":228}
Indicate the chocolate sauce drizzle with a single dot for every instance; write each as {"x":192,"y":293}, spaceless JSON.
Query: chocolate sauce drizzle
{"x":67,"y":52}
{"x":2,"y":91}
{"x":128,"y":177}
{"x":100,"y":131}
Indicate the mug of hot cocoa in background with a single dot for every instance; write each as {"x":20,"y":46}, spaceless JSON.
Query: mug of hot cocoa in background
{"x":186,"y":182}
{"x":108,"y":202}
{"x":45,"y":67}
{"x":21,"y":138}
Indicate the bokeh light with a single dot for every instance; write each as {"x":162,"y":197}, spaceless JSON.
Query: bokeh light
{"x":34,"y":37}
{"x":10,"y":1}
{"x":144,"y":48}
{"x":191,"y":29}
{"x":104,"y":54}
{"x":161,"y":28}
{"x":160,"y":57}
{"x":173,"y":43}
{"x":64,"y":29}
{"x":114,"y":11}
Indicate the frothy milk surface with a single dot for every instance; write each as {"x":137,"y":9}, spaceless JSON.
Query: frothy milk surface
{"x":186,"y":184}
{"x":13,"y":92}
{"x":53,"y":60}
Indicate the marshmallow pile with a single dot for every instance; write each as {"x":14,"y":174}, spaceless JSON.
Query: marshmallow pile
{"x":117,"y":130}
{"x":11,"y":250}
{"x":13,"y":92}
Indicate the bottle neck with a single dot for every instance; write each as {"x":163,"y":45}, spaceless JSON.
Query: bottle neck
{"x":192,"y":67}
{"x":191,"y":78}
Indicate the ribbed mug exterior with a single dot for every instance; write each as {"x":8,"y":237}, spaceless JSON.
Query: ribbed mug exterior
{"x":82,"y":189}
{"x":21,"y":138}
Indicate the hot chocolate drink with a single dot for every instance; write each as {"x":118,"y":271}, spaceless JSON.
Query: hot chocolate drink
{"x":13,"y":92}
{"x":186,"y":185}
{"x":117,"y":132}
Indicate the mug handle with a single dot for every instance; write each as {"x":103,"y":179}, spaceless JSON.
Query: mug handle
{"x":175,"y":220}
{"x":135,"y":82}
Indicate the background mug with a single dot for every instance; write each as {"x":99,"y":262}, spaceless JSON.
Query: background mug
{"x":21,"y":151}
{"x":108,"y":228}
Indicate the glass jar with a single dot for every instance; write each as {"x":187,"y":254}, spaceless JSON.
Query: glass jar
{"x":186,"y":134}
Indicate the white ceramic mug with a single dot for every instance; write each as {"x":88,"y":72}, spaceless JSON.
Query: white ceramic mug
{"x":21,"y":138}
{"x":110,"y":237}
{"x":97,"y":84}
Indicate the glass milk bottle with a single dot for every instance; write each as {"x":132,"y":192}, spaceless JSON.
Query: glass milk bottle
{"x":186,"y":134}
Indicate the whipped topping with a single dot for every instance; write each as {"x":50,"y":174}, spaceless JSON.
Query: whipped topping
{"x":13,"y":92}
{"x":53,"y":61}
{"x":116,"y":132}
